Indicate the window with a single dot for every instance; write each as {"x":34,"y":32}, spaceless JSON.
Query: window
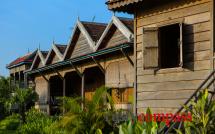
{"x":162,"y":47}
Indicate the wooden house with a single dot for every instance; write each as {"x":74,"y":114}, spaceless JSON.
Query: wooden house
{"x":96,"y":55}
{"x":173,"y":49}
{"x":17,"y":69}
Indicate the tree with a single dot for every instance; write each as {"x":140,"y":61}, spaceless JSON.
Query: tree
{"x":23,"y":97}
{"x":5,"y":93}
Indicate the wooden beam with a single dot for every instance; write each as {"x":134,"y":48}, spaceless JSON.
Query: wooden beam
{"x":76,"y":69}
{"x":127,"y":56}
{"x":99,"y":65}
{"x":43,"y":76}
{"x":61,"y":77}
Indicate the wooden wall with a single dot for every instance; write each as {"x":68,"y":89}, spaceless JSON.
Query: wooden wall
{"x":41,"y":87}
{"x":113,"y":38}
{"x":18,"y":69}
{"x":55,"y":59}
{"x":40,"y":64}
{"x":167,"y":89}
{"x":119,"y":74}
{"x":81,"y":47}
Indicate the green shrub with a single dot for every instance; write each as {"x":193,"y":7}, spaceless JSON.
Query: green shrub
{"x":10,"y":123}
{"x":36,"y":123}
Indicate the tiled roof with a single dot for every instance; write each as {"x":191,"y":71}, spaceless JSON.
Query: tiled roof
{"x":28,"y":58}
{"x":94,"y":29}
{"x":112,"y":4}
{"x":61,"y":48}
{"x":128,"y":22}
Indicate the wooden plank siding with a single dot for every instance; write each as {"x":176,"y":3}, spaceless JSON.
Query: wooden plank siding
{"x":82,"y":47}
{"x":40,"y":64}
{"x":42,"y":89}
{"x":119,"y":74}
{"x":54,"y":59}
{"x":114,"y":38}
{"x":166,"y":89}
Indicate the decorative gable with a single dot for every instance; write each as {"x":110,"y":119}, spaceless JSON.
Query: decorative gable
{"x":55,"y":54}
{"x":52,"y":58}
{"x":39,"y":60}
{"x":113,"y":38}
{"x":84,"y":38}
{"x":118,"y":31}
{"x":81,"y":47}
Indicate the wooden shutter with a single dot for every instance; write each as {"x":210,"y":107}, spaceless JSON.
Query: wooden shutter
{"x":181,"y":44}
{"x":112,"y":75}
{"x":150,"y":47}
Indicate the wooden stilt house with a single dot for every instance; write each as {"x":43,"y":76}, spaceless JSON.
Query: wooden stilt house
{"x":173,"y":50}
{"x":97,"y":55}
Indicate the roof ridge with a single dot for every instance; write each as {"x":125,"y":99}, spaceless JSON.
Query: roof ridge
{"x":96,"y":23}
{"x":60,"y":45}
{"x":125,"y":18}
{"x":44,"y":51}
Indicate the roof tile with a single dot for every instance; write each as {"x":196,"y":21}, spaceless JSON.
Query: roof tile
{"x":94,"y":29}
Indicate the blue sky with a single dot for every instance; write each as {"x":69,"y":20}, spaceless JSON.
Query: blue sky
{"x":24,"y":24}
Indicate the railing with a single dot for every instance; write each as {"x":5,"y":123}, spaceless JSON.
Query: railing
{"x":206,"y":84}
{"x":18,"y":84}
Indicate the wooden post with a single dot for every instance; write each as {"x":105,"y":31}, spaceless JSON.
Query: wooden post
{"x":48,"y":98}
{"x":64,"y":87}
{"x":14,"y":79}
{"x":25,"y":80}
{"x":82,"y":90}
{"x":19,"y":79}
{"x":64,"y":92}
{"x":135,"y":67}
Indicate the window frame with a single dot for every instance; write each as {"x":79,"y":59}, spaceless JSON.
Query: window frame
{"x":180,"y":22}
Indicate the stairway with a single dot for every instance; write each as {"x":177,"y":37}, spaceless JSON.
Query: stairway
{"x":208,"y":83}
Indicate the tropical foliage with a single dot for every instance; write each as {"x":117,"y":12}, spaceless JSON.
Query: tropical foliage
{"x":203,"y":116}
{"x":96,"y":116}
{"x":89,"y":119}
{"x":36,"y":123}
{"x":10,"y":124}
{"x":145,"y":126}
{"x":21,"y":98}
{"x":5,"y":93}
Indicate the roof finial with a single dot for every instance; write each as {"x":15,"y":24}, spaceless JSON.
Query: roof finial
{"x":39,"y":46}
{"x":114,"y":13}
{"x":53,"y":41}
{"x":78,"y":18}
{"x":28,"y":50}
{"x":94,"y":17}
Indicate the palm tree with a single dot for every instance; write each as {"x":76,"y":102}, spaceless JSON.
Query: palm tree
{"x":90,"y":119}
